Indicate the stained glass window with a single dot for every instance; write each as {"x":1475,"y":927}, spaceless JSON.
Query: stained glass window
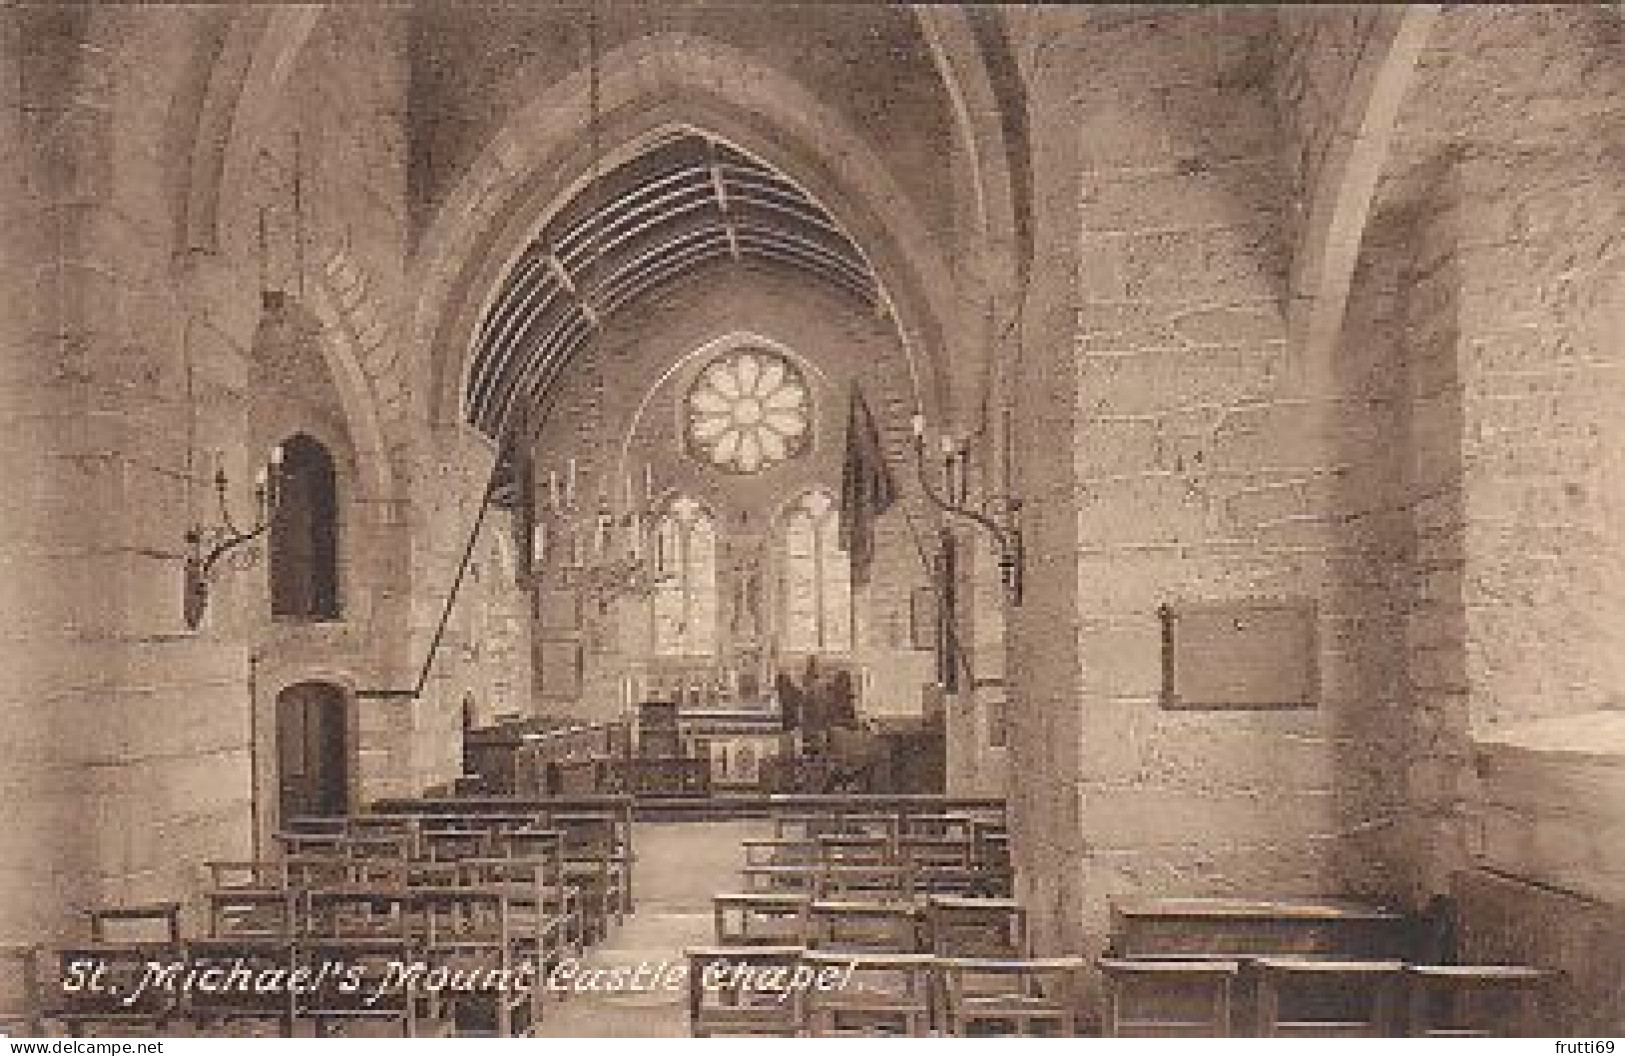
{"x":749,"y":410}
{"x":685,"y":599}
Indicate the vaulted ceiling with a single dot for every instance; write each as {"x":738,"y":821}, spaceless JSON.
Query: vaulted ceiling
{"x":685,"y":203}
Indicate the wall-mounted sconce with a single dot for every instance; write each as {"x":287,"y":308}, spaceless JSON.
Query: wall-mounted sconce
{"x":207,"y":547}
{"x":999,"y":516}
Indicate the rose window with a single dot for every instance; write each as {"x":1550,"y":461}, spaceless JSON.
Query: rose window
{"x":748,"y":411}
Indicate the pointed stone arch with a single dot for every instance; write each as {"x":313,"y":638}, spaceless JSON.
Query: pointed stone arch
{"x":536,"y":161}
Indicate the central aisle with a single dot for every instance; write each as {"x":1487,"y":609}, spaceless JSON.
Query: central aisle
{"x":680,"y":865}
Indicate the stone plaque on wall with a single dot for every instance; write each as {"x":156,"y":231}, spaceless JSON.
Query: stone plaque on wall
{"x":1244,"y":654}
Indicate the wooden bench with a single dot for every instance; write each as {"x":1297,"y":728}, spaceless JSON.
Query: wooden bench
{"x":1475,"y":1001}
{"x":1228,"y":927}
{"x":1312,"y":997}
{"x":1168,"y":998}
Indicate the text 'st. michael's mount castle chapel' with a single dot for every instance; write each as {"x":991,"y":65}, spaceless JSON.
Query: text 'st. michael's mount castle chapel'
{"x":616,"y":517}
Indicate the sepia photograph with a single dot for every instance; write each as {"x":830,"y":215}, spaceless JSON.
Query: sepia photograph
{"x":801,"y":519}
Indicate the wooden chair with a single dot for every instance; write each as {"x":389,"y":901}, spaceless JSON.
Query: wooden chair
{"x":1310,"y":997}
{"x":113,"y":985}
{"x":322,"y":843}
{"x":1020,"y":995}
{"x":245,"y":912}
{"x":598,"y":855}
{"x":768,"y":918}
{"x":1168,"y":998}
{"x":155,"y":922}
{"x":376,"y":844}
{"x":21,"y":1007}
{"x":466,"y":929}
{"x":1476,"y":1001}
{"x":370,"y":934}
{"x":891,"y":883}
{"x":228,"y":970}
{"x":857,"y":849}
{"x":454,"y":845}
{"x":958,"y":926}
{"x":864,"y":994}
{"x":882,"y":927}
{"x":269,"y":874}
{"x":544,"y":914}
{"x":727,"y":995}
{"x":777,"y":851}
{"x":800,"y":878}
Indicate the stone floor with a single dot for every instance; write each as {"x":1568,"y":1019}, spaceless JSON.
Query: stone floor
{"x":680,"y":865}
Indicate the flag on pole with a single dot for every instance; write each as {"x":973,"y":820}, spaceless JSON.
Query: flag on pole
{"x":867,"y":489}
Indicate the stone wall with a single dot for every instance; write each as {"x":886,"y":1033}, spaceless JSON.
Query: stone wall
{"x":1208,"y":465}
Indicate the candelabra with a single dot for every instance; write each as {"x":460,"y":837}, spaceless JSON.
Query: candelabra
{"x":208,"y":546}
{"x":998,"y":515}
{"x":603,"y":552}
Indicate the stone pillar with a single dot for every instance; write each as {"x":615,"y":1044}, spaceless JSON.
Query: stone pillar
{"x":1043,"y":657}
{"x":48,"y":116}
{"x":126,"y":752}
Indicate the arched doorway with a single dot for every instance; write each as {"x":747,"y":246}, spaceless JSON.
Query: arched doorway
{"x":312,"y":751}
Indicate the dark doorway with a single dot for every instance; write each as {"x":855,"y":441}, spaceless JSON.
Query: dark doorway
{"x":312,"y":735}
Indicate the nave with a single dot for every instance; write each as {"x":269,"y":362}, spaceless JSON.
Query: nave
{"x":453,"y":451}
{"x":858,"y":916}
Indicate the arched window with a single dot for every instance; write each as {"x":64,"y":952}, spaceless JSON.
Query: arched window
{"x":817,"y":579}
{"x":304,"y":549}
{"x":685,"y":599}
